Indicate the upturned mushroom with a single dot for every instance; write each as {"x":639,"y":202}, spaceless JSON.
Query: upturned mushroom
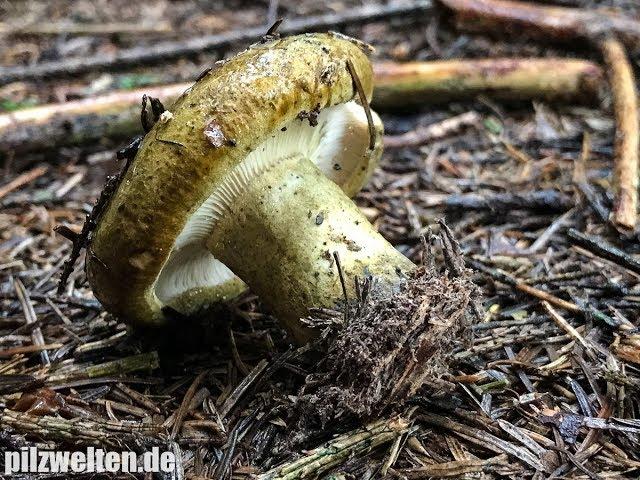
{"x":247,"y":171}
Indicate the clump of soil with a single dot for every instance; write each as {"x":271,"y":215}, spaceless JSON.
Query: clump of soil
{"x":389,"y":346}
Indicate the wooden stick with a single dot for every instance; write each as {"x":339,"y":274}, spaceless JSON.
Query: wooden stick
{"x":564,"y":325}
{"x":77,"y":430}
{"x":9,"y":352}
{"x":31,"y":319}
{"x":602,"y":248}
{"x":399,"y":85}
{"x":80,"y":122}
{"x":435,"y":131}
{"x":169,"y":50}
{"x":524,"y":288}
{"x":456,"y":468}
{"x":627,"y":142}
{"x":544,"y":22}
{"x":74,"y":28}
{"x":120,"y":366}
{"x":115,"y":115}
{"x":182,"y":409}
{"x":21,"y":180}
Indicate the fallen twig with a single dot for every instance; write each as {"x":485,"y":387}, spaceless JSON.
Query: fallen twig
{"x":423,"y":135}
{"x":528,"y":289}
{"x":77,"y":28}
{"x":561,"y":23}
{"x":80,"y":122}
{"x":22,"y":179}
{"x":139,"y":398}
{"x":485,"y":440}
{"x":182,"y":410}
{"x":507,"y":279}
{"x":582,"y":184}
{"x":625,"y":107}
{"x":242,"y":388}
{"x":142,"y":361}
{"x":564,"y":325}
{"x":31,"y":319}
{"x":545,"y":22}
{"x":399,"y":85}
{"x":10,"y":352}
{"x":457,"y":469}
{"x":78,"y":430}
{"x":603,"y":249}
{"x":162,"y":51}
{"x":546,"y":200}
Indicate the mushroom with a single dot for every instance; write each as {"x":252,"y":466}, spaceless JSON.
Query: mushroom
{"x":255,"y":169}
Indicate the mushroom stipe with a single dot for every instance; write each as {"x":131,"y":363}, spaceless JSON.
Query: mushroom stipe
{"x":271,"y":238}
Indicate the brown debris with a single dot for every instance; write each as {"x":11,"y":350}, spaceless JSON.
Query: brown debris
{"x":214,"y":134}
{"x":25,"y":178}
{"x":311,"y":116}
{"x":391,"y":346}
{"x":41,"y":402}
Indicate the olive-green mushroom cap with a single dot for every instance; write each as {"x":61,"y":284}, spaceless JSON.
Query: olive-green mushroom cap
{"x":215,"y":125}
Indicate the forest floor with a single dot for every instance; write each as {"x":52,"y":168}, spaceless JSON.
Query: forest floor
{"x":547,"y":383}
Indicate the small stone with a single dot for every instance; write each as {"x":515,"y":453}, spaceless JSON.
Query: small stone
{"x":319,"y":219}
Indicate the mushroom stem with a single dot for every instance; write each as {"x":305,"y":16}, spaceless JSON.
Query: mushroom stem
{"x":281,"y":233}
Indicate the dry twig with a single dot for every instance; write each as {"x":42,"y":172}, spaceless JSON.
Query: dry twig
{"x":625,"y":107}
{"x":543,"y":21}
{"x":416,"y":84}
{"x":358,"y":442}
{"x":436,"y":131}
{"x":397,"y":86}
{"x":22,"y":179}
